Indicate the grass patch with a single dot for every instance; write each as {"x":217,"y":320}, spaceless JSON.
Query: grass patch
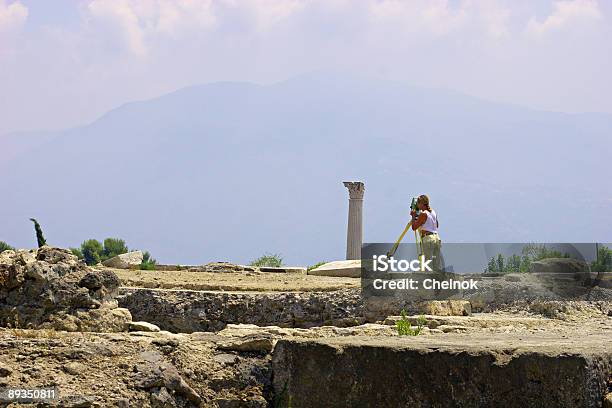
{"x":315,"y":266}
{"x":269,"y":260}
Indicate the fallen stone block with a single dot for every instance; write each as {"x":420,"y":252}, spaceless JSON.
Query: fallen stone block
{"x":143,"y":326}
{"x":342,"y":269}
{"x":125,"y":261}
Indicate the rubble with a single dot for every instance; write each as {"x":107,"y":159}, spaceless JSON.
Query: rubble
{"x":50,"y":288}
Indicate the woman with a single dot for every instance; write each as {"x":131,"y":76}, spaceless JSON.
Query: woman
{"x":427,"y":223}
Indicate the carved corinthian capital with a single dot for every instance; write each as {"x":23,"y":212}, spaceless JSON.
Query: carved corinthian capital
{"x":355,"y":188}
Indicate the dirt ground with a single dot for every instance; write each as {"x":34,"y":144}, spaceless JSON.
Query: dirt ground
{"x":249,"y":281}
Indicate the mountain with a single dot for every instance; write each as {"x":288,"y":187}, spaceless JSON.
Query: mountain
{"x":228,"y":171}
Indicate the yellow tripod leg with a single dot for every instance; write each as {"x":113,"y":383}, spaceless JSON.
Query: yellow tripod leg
{"x":394,"y":248}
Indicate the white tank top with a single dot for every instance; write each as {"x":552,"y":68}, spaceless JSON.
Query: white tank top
{"x":431,"y":224}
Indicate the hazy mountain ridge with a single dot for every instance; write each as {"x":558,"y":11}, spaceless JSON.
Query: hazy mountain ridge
{"x":231,"y":170}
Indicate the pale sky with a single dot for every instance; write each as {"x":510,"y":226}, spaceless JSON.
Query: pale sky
{"x":65,"y":62}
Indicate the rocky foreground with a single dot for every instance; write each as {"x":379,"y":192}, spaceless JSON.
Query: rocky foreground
{"x":62,"y":327}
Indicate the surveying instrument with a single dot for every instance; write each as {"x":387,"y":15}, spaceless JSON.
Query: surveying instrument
{"x":417,"y":235}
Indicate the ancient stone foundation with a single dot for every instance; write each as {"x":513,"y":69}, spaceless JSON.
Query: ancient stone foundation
{"x":185,"y":311}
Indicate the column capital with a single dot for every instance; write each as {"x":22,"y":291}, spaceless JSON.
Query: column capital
{"x":355,"y":188}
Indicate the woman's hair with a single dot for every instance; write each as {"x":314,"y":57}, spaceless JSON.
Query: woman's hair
{"x":423,"y":198}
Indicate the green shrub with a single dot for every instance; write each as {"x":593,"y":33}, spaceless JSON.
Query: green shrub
{"x":92,"y":250}
{"x":270,"y":260}
{"x":315,"y":266}
{"x":404,"y":327}
{"x":77,"y":252}
{"x":39,"y":234}
{"x":603,"y":263}
{"x":5,"y":247}
{"x":148,"y":263}
{"x":112,"y":248}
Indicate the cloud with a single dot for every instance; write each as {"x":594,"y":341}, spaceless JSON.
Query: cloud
{"x":434,"y":16}
{"x":564,"y":14}
{"x":12,"y":15}
{"x":138,"y":22}
{"x":139,"y":25}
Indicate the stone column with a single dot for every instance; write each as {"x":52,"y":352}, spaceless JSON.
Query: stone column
{"x":354,"y":233}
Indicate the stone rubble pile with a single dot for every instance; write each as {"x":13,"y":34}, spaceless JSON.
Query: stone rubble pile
{"x":51,"y":288}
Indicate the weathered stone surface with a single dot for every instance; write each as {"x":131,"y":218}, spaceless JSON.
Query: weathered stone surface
{"x":221,"y":267}
{"x":50,"y":288}
{"x":125,"y":261}
{"x":156,"y":372}
{"x":446,"y":308}
{"x":143,"y":326}
{"x":443,"y":371}
{"x":343,"y":269}
{"x":125,"y":370}
{"x":228,"y":267}
{"x":189,"y":311}
{"x":263,"y":343}
{"x":559,"y":265}
{"x":500,"y":292}
{"x":233,"y":281}
{"x":368,"y":329}
{"x":607,"y":402}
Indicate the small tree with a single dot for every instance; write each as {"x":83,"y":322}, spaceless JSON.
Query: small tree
{"x":514,"y":264}
{"x":492,"y":265}
{"x":91,"y":250}
{"x":525,"y":264}
{"x":5,"y":247}
{"x":113,"y":247}
{"x":39,"y":234}
{"x":500,"y":263}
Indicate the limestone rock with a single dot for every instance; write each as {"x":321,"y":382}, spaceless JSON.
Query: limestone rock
{"x":155,"y":373}
{"x":253,"y":343}
{"x":51,"y":288}
{"x":162,"y":399}
{"x":446,"y":308}
{"x":559,"y":265}
{"x":607,"y":402}
{"x":226,"y":267}
{"x":226,"y":358}
{"x":143,"y":326}
{"x":74,"y":368}
{"x":125,"y":261}
{"x":344,"y":269}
